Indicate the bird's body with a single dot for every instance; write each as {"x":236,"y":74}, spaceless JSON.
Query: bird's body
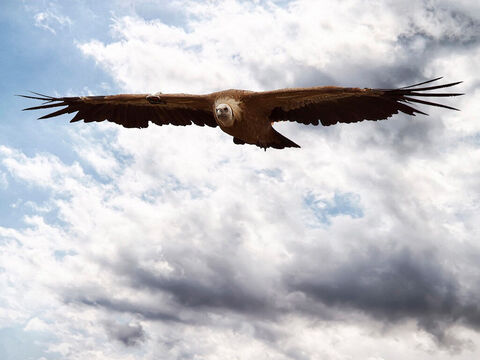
{"x":249,"y":127}
{"x":246,"y":115}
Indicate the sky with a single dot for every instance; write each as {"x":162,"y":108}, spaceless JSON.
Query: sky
{"x":175,"y":243}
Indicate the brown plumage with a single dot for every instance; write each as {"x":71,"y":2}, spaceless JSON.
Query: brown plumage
{"x":246,"y":115}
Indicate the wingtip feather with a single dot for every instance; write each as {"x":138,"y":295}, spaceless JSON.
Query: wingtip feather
{"x":430,"y":103}
{"x":422,"y":83}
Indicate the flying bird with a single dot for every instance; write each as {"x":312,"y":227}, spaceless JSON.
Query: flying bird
{"x":248,"y":116}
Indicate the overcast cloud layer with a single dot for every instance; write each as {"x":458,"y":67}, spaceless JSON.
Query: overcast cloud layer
{"x":174,"y":243}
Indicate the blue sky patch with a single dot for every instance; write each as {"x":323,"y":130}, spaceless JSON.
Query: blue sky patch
{"x":340,"y":204}
{"x":16,"y":344}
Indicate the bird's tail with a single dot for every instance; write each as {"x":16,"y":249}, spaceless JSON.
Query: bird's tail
{"x":278,"y":141}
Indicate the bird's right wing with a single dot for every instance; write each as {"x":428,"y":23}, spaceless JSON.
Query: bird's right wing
{"x":330,"y":105}
{"x":133,"y":110}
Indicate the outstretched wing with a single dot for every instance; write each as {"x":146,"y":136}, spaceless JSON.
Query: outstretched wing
{"x":330,"y":105}
{"x":132,"y":110}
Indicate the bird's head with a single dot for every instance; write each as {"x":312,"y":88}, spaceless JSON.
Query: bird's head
{"x":224,"y":115}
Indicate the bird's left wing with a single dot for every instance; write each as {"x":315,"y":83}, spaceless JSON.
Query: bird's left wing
{"x":132,"y":110}
{"x":330,"y":105}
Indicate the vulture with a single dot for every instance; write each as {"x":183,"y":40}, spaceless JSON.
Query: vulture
{"x":248,"y":116}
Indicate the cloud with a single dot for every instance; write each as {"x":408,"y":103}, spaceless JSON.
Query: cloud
{"x":393,"y":286}
{"x":51,"y":19}
{"x":3,"y":181}
{"x":174,"y":240}
{"x":42,"y":170}
{"x":128,"y":334}
{"x":305,"y":42}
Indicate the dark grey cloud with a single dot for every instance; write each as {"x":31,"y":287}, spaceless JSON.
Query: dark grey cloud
{"x":390,"y":286}
{"x":98,"y":299}
{"x":205,"y":283}
{"x":129,"y":334}
{"x":219,"y":292}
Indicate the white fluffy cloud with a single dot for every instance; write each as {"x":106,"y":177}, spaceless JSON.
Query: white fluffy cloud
{"x":306,"y":42}
{"x":362,"y":244}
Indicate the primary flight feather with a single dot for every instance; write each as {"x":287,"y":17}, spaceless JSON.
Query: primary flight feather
{"x":248,"y":116}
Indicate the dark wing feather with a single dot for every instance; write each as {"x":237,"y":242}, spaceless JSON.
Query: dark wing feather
{"x":331,"y":105}
{"x":132,"y":111}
